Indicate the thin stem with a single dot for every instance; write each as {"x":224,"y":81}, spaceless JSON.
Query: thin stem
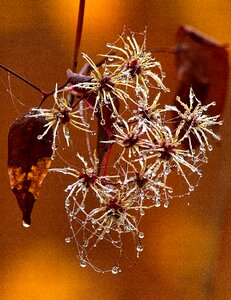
{"x":78,"y":35}
{"x":23,"y":79}
{"x":107,"y":159}
{"x":45,"y":95}
{"x":48,"y":94}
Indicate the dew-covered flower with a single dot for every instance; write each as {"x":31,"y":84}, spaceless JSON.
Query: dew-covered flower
{"x":151,"y":190}
{"x":86,"y":179}
{"x":136,"y":64}
{"x":130,"y":136}
{"x":115,"y":212}
{"x":169,"y":155}
{"x":106,"y":87}
{"x":116,"y":216}
{"x":61,"y":114}
{"x":196,"y":120}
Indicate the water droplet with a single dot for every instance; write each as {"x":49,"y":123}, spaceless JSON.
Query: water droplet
{"x":96,"y":160}
{"x":141,"y":235}
{"x":199,"y":173}
{"x":67,"y":133}
{"x":191,"y":188}
{"x":170,"y":190}
{"x":85,"y":243}
{"x":142,"y":212}
{"x":102,"y":122}
{"x":83,"y":263}
{"x":71,"y":215}
{"x":206,"y":159}
{"x":24,"y":224}
{"x":67,"y":240}
{"x":115,"y":270}
{"x":113,"y":115}
{"x":110,"y":58}
{"x":140,"y":248}
{"x":93,"y":133}
{"x":106,"y":72}
{"x":39,"y":137}
{"x":210,"y":147}
{"x":166,"y":204}
{"x":157,"y":204}
{"x":67,"y":202}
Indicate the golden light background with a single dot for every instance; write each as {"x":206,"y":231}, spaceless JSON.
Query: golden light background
{"x":187,"y":248}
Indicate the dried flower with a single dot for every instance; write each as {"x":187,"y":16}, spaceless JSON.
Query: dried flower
{"x":169,"y":154}
{"x":196,"y":121}
{"x":106,"y":87}
{"x":86,"y":179}
{"x":62,"y":113}
{"x":135,"y":64}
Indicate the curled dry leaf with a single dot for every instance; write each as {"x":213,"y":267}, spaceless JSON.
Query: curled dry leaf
{"x":28,"y":161}
{"x":202,"y":64}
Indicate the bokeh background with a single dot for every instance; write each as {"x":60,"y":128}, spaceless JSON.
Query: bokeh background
{"x":187,"y":246}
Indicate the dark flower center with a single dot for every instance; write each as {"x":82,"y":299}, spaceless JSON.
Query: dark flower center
{"x":88,"y":180}
{"x":140,"y":180}
{"x":134,"y":68}
{"x":130,"y":141}
{"x":106,"y":84}
{"x":168,"y":150}
{"x":65,"y":117}
{"x":116,"y":206}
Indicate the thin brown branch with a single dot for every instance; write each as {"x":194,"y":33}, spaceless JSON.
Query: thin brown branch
{"x":78,"y":34}
{"x":22,"y":79}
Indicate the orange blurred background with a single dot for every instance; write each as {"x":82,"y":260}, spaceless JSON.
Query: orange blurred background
{"x":187,"y":247}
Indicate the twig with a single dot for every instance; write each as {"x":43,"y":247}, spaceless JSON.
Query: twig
{"x":78,"y":35}
{"x":23,"y":79}
{"x":45,"y":94}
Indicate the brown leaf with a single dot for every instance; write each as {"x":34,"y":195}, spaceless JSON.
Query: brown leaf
{"x":28,"y":161}
{"x":202,"y":64}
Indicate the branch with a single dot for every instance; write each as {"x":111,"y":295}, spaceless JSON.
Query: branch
{"x":79,"y":30}
{"x":22,"y":79}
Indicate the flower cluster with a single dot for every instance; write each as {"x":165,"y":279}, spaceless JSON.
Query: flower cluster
{"x":106,"y":201}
